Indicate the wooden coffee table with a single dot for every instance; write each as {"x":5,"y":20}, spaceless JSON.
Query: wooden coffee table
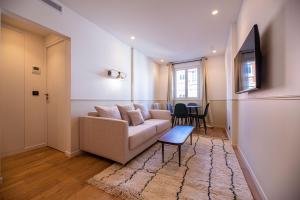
{"x":176,"y":136}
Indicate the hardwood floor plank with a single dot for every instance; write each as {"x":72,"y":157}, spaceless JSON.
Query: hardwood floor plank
{"x":91,"y":193}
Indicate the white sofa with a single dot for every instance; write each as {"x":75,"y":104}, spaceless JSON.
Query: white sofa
{"x":115,"y":140}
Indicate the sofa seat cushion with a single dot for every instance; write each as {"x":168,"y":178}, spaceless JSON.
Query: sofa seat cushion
{"x":140,"y":134}
{"x":160,"y":124}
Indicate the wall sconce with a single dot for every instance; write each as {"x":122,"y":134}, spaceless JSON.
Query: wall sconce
{"x":116,"y":74}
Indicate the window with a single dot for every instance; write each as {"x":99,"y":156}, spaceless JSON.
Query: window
{"x":180,"y":84}
{"x":186,"y":83}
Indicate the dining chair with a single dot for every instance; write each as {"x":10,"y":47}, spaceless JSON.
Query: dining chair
{"x":202,"y":117}
{"x":170,"y":108}
{"x":181,"y":114}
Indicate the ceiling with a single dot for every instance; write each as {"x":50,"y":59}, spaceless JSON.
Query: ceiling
{"x":173,"y":30}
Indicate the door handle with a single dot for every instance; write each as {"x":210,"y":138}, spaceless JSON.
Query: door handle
{"x":47,"y":96}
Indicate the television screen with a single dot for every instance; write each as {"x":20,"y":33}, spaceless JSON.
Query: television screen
{"x":248,"y":63}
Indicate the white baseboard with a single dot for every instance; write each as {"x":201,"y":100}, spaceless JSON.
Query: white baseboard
{"x":25,"y":149}
{"x":255,"y":180}
{"x":35,"y":147}
{"x":73,"y":153}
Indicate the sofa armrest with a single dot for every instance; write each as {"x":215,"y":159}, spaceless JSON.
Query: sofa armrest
{"x":105,"y":137}
{"x":160,"y":114}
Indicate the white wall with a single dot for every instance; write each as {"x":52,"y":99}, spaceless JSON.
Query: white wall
{"x":267,"y":131}
{"x":146,"y":78}
{"x":93,"y":52}
{"x":163,"y":82}
{"x":216,"y":89}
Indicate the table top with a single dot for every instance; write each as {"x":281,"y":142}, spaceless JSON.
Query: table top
{"x":176,"y":135}
{"x":198,"y":106}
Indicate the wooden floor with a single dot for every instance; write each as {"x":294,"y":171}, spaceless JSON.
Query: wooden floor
{"x":46,"y":173}
{"x":214,"y":132}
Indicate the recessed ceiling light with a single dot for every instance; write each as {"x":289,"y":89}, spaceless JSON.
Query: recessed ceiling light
{"x":162,"y":60}
{"x":214,"y":12}
{"x":132,"y":38}
{"x":214,"y":51}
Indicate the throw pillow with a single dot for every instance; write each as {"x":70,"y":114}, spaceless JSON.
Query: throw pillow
{"x":108,"y":112}
{"x":136,"y":117}
{"x":123,"y":111}
{"x":144,"y":110}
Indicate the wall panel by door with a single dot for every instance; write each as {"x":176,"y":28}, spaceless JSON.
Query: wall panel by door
{"x":23,"y":116}
{"x":35,"y":106}
{"x":12,"y":90}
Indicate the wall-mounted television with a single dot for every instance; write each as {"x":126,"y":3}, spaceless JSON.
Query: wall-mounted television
{"x":247,"y":63}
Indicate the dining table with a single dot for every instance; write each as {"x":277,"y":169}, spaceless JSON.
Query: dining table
{"x":195,"y":107}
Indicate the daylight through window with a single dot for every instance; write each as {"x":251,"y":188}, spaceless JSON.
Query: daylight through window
{"x":187,"y":83}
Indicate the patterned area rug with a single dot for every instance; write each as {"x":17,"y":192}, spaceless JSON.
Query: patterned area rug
{"x":209,"y":170}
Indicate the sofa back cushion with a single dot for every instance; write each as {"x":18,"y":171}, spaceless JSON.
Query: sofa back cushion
{"x":124,"y":112}
{"x":108,"y":112}
{"x":136,"y":117}
{"x":145,"y":111}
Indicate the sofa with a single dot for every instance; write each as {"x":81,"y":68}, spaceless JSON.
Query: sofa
{"x":116,"y":140}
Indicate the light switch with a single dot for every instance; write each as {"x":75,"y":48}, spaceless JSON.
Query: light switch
{"x":36,"y":70}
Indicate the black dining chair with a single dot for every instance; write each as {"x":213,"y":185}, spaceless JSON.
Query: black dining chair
{"x":181,"y":114}
{"x":170,"y":108}
{"x":202,"y":117}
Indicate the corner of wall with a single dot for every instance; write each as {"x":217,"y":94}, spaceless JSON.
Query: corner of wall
{"x":68,"y":83}
{"x":73,"y":153}
{"x":1,"y":179}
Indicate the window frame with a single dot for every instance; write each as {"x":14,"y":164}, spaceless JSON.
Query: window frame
{"x":186,"y":68}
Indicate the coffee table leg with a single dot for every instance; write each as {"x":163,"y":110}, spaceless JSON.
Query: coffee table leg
{"x":179,"y":154}
{"x":191,"y":137}
{"x":163,"y":152}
